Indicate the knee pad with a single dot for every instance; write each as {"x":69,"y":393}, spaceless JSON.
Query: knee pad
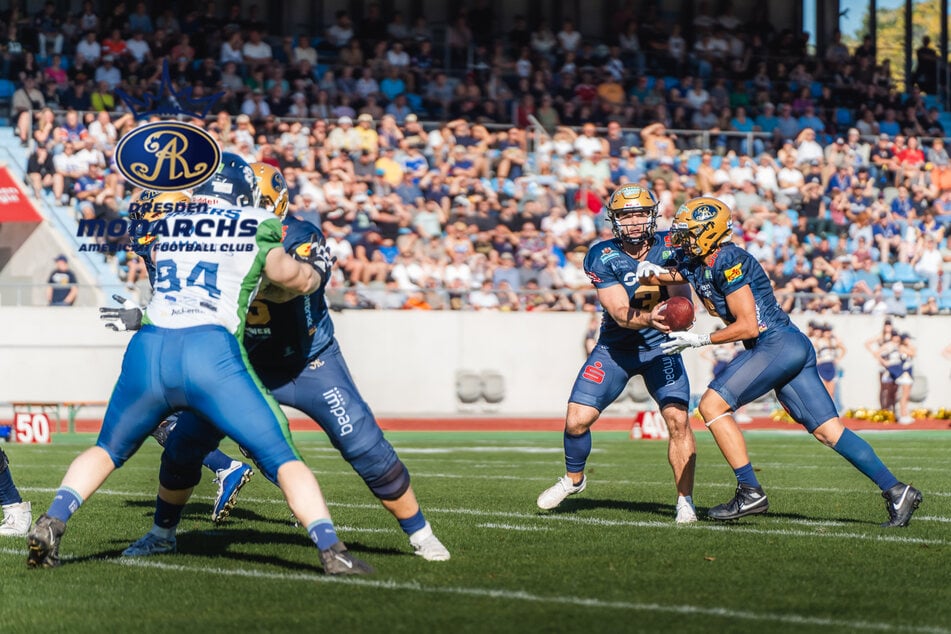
{"x":392,"y":484}
{"x":165,"y":428}
{"x":4,"y":461}
{"x":179,"y":475}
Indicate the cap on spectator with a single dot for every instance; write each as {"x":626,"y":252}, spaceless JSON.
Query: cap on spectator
{"x":345,"y":120}
{"x":666,"y":160}
{"x":883,"y":136}
{"x":788,"y":142}
{"x":305,"y":131}
{"x":298,"y":96}
{"x":410,"y":118}
{"x":768,"y":106}
{"x":840,"y":141}
{"x":243,"y":118}
{"x":814,"y":162}
{"x":898,"y":287}
{"x":365,"y":117}
{"x":854,"y":132}
{"x":507,"y":256}
{"x":60,"y":258}
{"x":361,"y":198}
{"x":107,"y":58}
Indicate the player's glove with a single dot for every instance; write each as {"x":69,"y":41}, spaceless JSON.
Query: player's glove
{"x":317,"y":254}
{"x":129,"y":317}
{"x":646,"y":270}
{"x":680,"y":341}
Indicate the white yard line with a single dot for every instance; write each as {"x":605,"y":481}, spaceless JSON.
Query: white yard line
{"x":513,"y":527}
{"x":530,"y":597}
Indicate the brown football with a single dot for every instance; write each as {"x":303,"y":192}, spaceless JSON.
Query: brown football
{"x":679,"y":313}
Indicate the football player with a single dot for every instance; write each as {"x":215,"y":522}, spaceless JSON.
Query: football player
{"x":292,"y":348}
{"x":230,"y":474}
{"x":17,"y":514}
{"x":778,"y":356}
{"x":632,"y":332}
{"x":188,"y":355}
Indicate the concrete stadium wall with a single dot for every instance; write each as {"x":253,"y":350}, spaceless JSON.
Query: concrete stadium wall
{"x":406,"y":363}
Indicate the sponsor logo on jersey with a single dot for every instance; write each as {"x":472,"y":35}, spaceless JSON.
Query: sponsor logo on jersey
{"x":593,"y":373}
{"x":608,"y":256}
{"x":734,"y":273}
{"x":708,"y":274}
{"x":167,"y":156}
{"x":668,"y":242}
{"x":593,"y":277}
{"x":666,"y":254}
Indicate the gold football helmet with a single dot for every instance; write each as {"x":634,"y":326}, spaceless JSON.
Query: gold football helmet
{"x":273,"y":188}
{"x":154,"y":205}
{"x":632,"y":211}
{"x":701,"y":225}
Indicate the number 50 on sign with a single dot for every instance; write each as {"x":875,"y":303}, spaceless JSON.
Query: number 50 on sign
{"x":31,"y":428}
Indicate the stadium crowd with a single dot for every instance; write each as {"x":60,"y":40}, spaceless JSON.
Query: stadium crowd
{"x":471,"y":172}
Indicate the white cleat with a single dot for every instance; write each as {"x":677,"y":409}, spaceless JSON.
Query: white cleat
{"x":17,"y":519}
{"x":554,"y":495}
{"x":686,"y":513}
{"x":427,"y":545}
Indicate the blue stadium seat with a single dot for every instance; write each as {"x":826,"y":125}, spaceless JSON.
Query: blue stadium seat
{"x":944,"y":301}
{"x":905,"y":274}
{"x":716,"y":161}
{"x":7,"y":88}
{"x":843,"y":117}
{"x":870,"y":279}
{"x":693,"y":163}
{"x":912,"y":301}
{"x":926,"y":294}
{"x":945,"y":119}
{"x":815,"y":89}
{"x":671,"y":82}
{"x":887,"y":273}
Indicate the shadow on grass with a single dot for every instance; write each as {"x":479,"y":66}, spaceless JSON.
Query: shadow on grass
{"x":666,"y":511}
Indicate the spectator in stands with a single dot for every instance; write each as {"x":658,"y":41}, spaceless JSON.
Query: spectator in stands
{"x":62,"y":289}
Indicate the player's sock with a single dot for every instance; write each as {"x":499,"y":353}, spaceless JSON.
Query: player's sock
{"x":64,"y":504}
{"x":167,"y":515}
{"x":8,"y":490}
{"x":323,"y":534}
{"x":217,"y":460}
{"x":412,"y":524}
{"x":863,"y":457}
{"x":745,"y":475}
{"x":577,"y":450}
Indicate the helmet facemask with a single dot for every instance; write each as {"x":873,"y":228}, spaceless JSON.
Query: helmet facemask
{"x":634,"y":226}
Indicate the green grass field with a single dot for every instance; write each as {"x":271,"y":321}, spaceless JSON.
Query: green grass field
{"x":610,"y":560}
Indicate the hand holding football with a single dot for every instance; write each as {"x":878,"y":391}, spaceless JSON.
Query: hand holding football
{"x":679,"y":313}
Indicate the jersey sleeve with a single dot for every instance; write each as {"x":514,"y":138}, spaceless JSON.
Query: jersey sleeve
{"x":597,"y":266}
{"x":270,"y":234}
{"x":298,"y":232}
{"x":732,"y":270}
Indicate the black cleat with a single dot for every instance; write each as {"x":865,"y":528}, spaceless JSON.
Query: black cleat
{"x":747,"y":501}
{"x":43,"y":542}
{"x":900,"y":501}
{"x":337,"y":560}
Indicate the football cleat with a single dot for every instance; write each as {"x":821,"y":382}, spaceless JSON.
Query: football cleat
{"x":554,"y":495}
{"x":43,"y":542}
{"x":229,"y":481}
{"x":747,"y":501}
{"x":686,"y":513}
{"x":337,"y":560}
{"x":150,"y":544}
{"x":427,"y":545}
{"x":900,"y":501}
{"x":17,"y":519}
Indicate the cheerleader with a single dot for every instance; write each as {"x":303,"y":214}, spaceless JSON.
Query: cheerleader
{"x":905,"y":378}
{"x":829,"y":351}
{"x":879,"y":346}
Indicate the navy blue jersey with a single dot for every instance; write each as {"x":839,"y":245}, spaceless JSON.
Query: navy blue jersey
{"x":287,"y":335}
{"x":728,"y":269}
{"x":606,"y":265}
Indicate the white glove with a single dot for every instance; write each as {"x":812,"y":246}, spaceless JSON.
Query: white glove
{"x":680,"y":341}
{"x":647,"y":270}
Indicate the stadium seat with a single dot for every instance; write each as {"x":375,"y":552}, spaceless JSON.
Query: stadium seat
{"x":693,"y":163}
{"x":843,"y":117}
{"x":815,"y":89}
{"x":887,"y":273}
{"x":944,"y":301}
{"x":905,"y":274}
{"x":870,"y":279}
{"x":945,"y":120}
{"x":912,"y":301}
{"x":7,"y":88}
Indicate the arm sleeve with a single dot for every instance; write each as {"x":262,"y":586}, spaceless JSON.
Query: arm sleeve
{"x":270,"y":235}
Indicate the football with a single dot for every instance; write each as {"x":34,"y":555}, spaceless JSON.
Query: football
{"x":679,"y":313}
